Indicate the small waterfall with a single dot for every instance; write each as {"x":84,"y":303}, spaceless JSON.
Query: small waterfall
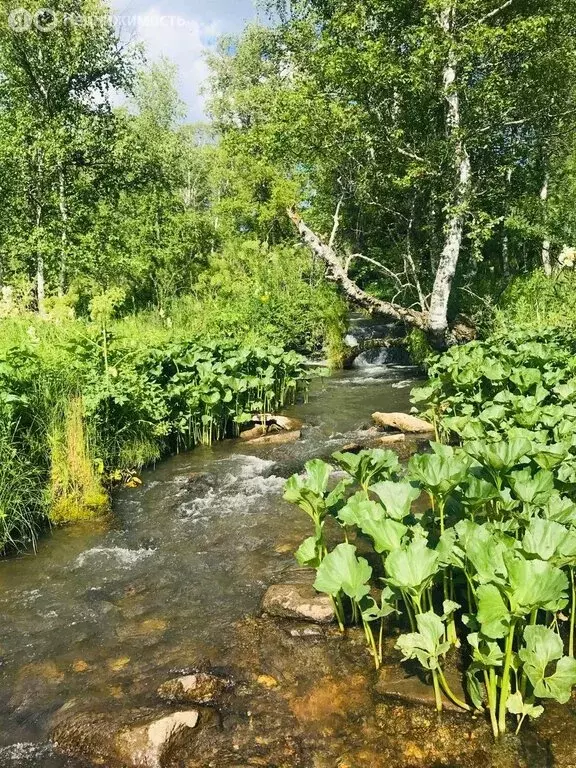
{"x":364,"y":329}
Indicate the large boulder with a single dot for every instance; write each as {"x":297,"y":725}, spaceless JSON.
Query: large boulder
{"x":139,"y":738}
{"x":404,"y":422}
{"x":298,"y":601}
{"x":196,"y":688}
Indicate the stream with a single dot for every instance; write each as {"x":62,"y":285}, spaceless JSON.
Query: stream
{"x":100,"y":616}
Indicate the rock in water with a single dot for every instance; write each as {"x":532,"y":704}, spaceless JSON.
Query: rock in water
{"x":402,"y":421}
{"x":197,"y":688}
{"x":277,"y":438}
{"x":138,"y":738}
{"x":298,"y":601}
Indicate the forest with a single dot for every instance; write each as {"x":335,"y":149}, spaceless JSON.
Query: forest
{"x":166,"y":285}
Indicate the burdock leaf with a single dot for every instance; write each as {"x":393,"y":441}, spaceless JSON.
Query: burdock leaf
{"x":542,"y":647}
{"x":307,"y":552}
{"x":413,"y":566}
{"x":342,"y":571}
{"x":397,"y":497}
{"x":425,"y":645}
{"x":532,"y":489}
{"x":438,"y":473}
{"x":500,"y":456}
{"x":493,"y":614}
{"x":544,"y":538}
{"x":517,"y":706}
{"x":535,"y":584}
{"x":559,"y":685}
{"x":317,"y":475}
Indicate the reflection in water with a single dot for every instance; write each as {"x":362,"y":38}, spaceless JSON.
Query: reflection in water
{"x":100,"y":618}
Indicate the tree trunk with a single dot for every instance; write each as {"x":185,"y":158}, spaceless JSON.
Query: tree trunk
{"x":64,"y":236}
{"x":40,"y":280}
{"x":438,"y":315}
{"x":546,"y":261}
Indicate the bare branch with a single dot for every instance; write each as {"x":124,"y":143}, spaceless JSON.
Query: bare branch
{"x":377,"y":264}
{"x":490,"y":15}
{"x":336,"y":223}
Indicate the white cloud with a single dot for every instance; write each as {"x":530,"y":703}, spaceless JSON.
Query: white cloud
{"x":183,"y":39}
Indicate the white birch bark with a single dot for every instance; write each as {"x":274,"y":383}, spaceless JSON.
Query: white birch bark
{"x":546,"y":261}
{"x":438,"y":315}
{"x":40,"y":280}
{"x":64,"y":235}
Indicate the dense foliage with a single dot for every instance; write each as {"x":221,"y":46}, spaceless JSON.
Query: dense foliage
{"x":485,"y":562}
{"x":84,"y":404}
{"x":439,"y":133}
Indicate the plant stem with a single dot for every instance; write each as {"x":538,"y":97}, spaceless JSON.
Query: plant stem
{"x":409,"y":611}
{"x":339,"y":611}
{"x":492,"y":693}
{"x":448,"y":691}
{"x":505,"y":682}
{"x":572,"y":614}
{"x":437,"y":694}
{"x":372,"y":643}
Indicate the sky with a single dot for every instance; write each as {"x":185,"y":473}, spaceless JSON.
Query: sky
{"x":183,"y":31}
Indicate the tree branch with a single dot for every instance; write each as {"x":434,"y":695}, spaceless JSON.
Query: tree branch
{"x":336,"y":223}
{"x":490,"y":15}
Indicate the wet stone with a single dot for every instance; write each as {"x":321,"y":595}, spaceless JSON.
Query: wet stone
{"x":403,"y":422}
{"x":277,"y":438}
{"x":298,"y":601}
{"x":394,"y":681}
{"x":139,"y":738}
{"x":197,"y":688}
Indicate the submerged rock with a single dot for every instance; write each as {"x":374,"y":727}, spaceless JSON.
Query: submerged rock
{"x":298,"y":601}
{"x":394,"y":681}
{"x":139,"y":738}
{"x":403,"y":422}
{"x":197,"y":688}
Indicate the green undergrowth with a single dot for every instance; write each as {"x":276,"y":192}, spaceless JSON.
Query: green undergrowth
{"x":481,"y":573}
{"x":83,"y":404}
{"x":537,"y":302}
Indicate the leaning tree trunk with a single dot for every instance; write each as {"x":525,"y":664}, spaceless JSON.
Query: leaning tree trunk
{"x":438,"y":313}
{"x":337,"y":272}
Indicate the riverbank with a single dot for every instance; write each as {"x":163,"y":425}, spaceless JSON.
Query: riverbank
{"x":87,"y":405}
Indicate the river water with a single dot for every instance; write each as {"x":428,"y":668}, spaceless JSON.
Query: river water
{"x":102,"y":616}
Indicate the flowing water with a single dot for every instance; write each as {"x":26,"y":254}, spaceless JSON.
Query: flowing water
{"x":98,"y":617}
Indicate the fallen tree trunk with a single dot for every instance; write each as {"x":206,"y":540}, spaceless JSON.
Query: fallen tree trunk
{"x":460,"y":331}
{"x":353,"y":291}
